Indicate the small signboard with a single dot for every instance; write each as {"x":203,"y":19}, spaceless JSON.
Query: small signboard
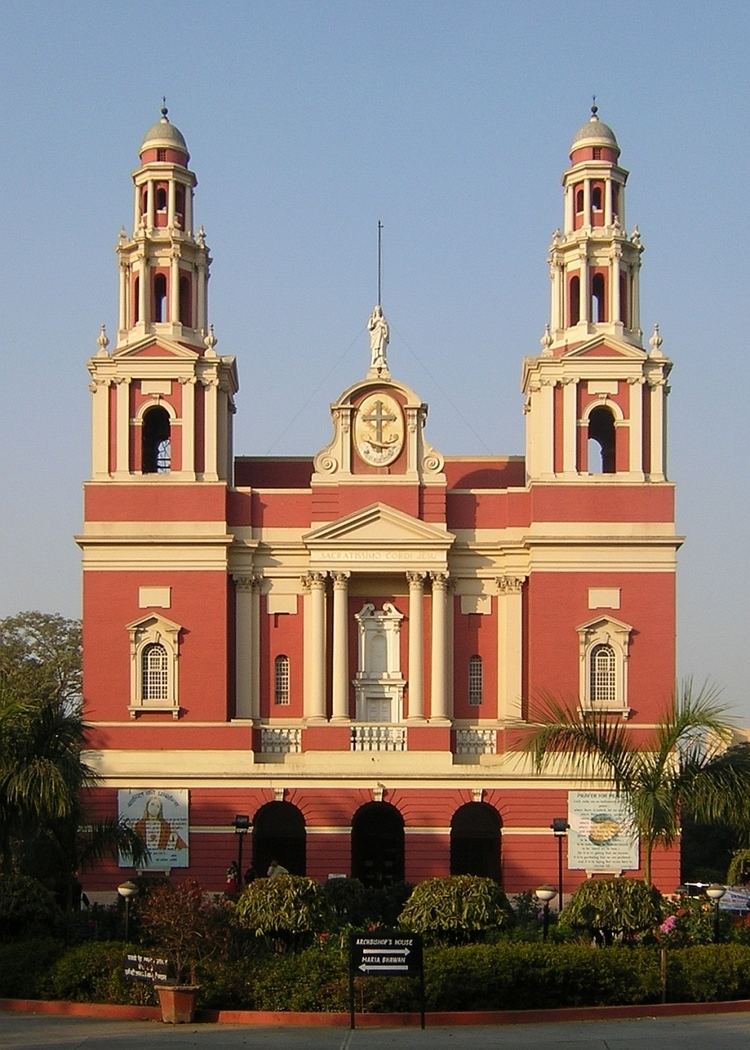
{"x":146,"y":968}
{"x":385,"y":954}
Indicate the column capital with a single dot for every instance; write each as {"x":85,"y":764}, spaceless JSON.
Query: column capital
{"x":246,"y":581}
{"x":440,"y":580}
{"x":314,"y":580}
{"x":510,"y":584}
{"x":340,"y":580}
{"x":416,"y":579}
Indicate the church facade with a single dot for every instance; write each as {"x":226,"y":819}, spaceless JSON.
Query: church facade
{"x":332,"y":660}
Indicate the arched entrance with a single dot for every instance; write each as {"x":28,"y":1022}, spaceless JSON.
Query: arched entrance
{"x":378,"y":844}
{"x":279,"y":834}
{"x":475,"y":841}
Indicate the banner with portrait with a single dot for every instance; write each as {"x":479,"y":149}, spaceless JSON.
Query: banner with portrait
{"x":600,"y":838}
{"x":161,"y":819}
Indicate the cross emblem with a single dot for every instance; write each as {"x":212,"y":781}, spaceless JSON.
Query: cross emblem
{"x":379,"y":416}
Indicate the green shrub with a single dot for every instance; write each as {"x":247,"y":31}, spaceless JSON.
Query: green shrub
{"x":384,"y":904}
{"x":609,"y":908}
{"x":347,"y":900}
{"x":186,"y":925}
{"x":95,"y":973}
{"x":25,"y":966}
{"x":456,"y":909}
{"x":27,"y":909}
{"x":285,"y":910}
{"x":708,"y":973}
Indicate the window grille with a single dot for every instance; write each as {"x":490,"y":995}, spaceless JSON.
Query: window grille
{"x":155,"y":676}
{"x":475,"y":681}
{"x":281,"y":687}
{"x":602,"y":675}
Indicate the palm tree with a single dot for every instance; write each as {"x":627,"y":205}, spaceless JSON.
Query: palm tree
{"x":686,"y":766}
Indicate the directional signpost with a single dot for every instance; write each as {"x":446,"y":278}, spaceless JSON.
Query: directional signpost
{"x":380,"y":954}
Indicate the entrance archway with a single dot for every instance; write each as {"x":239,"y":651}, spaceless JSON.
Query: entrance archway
{"x":475,"y":841}
{"x":279,"y":834}
{"x":378,"y":844}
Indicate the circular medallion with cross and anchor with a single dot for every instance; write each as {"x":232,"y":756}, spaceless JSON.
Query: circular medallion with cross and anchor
{"x":379,"y":429}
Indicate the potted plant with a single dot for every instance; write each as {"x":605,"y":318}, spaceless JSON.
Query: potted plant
{"x":187,"y":927}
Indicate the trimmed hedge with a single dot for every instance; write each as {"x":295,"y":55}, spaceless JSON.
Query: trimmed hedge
{"x":510,"y":976}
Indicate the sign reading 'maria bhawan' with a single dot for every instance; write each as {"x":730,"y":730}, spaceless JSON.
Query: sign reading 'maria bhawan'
{"x":385,"y":953}
{"x":146,"y":968}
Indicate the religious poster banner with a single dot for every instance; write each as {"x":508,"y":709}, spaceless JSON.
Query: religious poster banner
{"x":600,"y":838}
{"x":161,"y":820}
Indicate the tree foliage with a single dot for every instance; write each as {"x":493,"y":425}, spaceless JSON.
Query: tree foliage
{"x":285,"y":909}
{"x":42,"y":739}
{"x":184,"y":923}
{"x":456,"y":909}
{"x":686,"y":766}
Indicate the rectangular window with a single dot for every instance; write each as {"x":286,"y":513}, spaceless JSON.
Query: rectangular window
{"x":281,"y":687}
{"x":475,"y":681}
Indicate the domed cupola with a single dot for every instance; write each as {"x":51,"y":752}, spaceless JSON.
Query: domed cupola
{"x":164,"y":265}
{"x":593,"y":136}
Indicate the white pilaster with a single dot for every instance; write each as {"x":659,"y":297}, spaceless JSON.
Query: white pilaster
{"x":635,"y":413}
{"x":657,"y":388}
{"x":245,"y":695}
{"x":122,"y":451}
{"x":509,"y":647}
{"x":570,"y":421}
{"x":416,"y":645}
{"x":439,"y":669}
{"x":210,"y":423}
{"x":315,"y":656}
{"x":340,"y":669}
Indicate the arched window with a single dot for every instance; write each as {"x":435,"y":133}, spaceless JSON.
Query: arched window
{"x":136,"y":300}
{"x":602,"y":677}
{"x":179,"y":205}
{"x":156,"y":446}
{"x":476,"y":681}
{"x":186,"y":309}
{"x":475,"y":841}
{"x":615,"y":200}
{"x":579,"y":201}
{"x":161,"y":198}
{"x":154,"y":672}
{"x":378,"y":844}
{"x":596,"y":198}
{"x":603,"y":669}
{"x":160,"y":297}
{"x":598,"y":298}
{"x":281,"y":679}
{"x":601,"y":448}
{"x":279,"y":834}
{"x":574,"y":300}
{"x":144,"y":200}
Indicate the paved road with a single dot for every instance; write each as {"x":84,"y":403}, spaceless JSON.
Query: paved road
{"x":720,"y":1031}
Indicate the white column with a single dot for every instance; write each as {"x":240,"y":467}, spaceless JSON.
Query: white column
{"x":546,"y":428}
{"x":570,"y":424}
{"x":142,"y":291}
{"x":124,"y":276}
{"x":315,"y":655}
{"x":122,"y":448}
{"x":243,"y":628}
{"x":174,"y":288}
{"x":171,"y":203}
{"x":569,"y":223}
{"x":657,"y":388}
{"x":439,"y":706}
{"x":201,"y":306}
{"x":509,"y":647}
{"x":614,"y":292}
{"x":150,"y":202}
{"x":584,"y":298}
{"x":635,"y":412}
{"x":188,"y":218}
{"x":99,"y":428}
{"x":188,"y":426}
{"x":340,"y":669}
{"x":586,"y":202}
{"x":210,"y":421}
{"x":416,"y":645}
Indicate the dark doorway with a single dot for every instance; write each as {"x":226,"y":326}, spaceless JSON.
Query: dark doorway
{"x":378,"y":844}
{"x":279,"y":834}
{"x":156,"y":448}
{"x":475,"y":841}
{"x":601,"y":447}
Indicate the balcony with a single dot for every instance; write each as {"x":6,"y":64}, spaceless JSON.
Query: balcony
{"x":371,"y":737}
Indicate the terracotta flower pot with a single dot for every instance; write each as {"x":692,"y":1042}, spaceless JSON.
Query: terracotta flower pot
{"x":177,"y":1002}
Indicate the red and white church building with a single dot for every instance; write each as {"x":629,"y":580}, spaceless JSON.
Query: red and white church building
{"x":346,"y":647}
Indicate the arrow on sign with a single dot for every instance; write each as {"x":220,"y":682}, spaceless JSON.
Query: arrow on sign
{"x":377,"y":968}
{"x":387,"y":951}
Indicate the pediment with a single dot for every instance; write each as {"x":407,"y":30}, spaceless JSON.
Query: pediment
{"x":156,"y":346}
{"x":379,"y":539}
{"x":379,"y":525}
{"x":153,"y":622}
{"x":605,"y":346}
{"x":602,"y":623}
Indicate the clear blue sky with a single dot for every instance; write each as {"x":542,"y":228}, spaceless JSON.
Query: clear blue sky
{"x":308,"y":122}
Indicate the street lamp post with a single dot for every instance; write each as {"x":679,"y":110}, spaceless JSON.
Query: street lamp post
{"x":715,"y":892}
{"x":241,"y":825}
{"x":127,"y":890}
{"x":559,"y":827}
{"x":545,"y":894}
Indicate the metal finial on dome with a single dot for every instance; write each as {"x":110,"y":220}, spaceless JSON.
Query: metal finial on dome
{"x":594,"y":108}
{"x":164,"y":109}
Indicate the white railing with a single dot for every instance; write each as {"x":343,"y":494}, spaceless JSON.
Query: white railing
{"x":476,"y":741}
{"x":378,"y":738}
{"x":280,"y":740}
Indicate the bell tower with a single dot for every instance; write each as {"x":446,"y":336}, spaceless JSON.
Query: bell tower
{"x":163,"y":399}
{"x":595,"y":400}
